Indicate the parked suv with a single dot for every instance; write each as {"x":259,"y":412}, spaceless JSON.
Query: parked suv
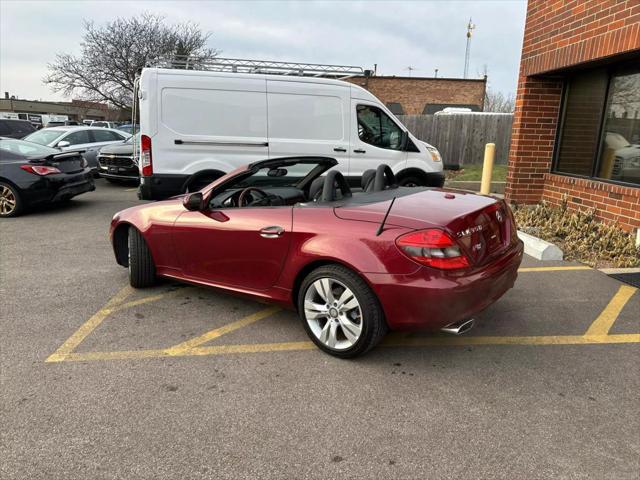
{"x":87,"y":140}
{"x":10,"y":128}
{"x":115,"y":162}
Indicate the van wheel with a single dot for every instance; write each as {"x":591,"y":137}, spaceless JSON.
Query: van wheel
{"x":411,"y":181}
{"x":340,"y":312}
{"x":198,"y":183}
{"x":142,"y":270}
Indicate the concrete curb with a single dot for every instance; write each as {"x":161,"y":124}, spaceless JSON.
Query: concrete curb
{"x":539,"y":249}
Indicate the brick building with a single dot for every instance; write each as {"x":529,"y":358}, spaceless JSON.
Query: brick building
{"x":576,"y":131}
{"x":421,"y":95}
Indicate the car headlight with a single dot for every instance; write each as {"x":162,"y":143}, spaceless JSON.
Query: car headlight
{"x":435,"y":154}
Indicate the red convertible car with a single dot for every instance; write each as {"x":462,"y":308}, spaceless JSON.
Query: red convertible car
{"x":353,"y":264}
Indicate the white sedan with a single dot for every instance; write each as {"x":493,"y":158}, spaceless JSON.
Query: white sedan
{"x":87,"y":140}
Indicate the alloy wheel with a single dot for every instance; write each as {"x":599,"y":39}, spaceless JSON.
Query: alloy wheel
{"x":7,"y":201}
{"x":333,"y":313}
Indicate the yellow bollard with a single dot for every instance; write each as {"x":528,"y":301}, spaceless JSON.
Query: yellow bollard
{"x":487,"y":168}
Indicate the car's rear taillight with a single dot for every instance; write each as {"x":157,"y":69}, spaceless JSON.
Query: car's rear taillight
{"x":40,"y":169}
{"x":433,"y":248}
{"x":145,"y":156}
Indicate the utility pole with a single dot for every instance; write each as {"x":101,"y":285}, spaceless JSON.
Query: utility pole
{"x":467,"y":53}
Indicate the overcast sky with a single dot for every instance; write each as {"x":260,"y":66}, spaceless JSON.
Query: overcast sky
{"x":422,"y":34}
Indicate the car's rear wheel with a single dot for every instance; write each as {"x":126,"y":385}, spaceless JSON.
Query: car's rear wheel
{"x":142,"y":270}
{"x":10,"y":201}
{"x":340,"y":312}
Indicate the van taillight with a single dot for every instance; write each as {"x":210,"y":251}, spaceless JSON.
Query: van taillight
{"x":145,"y":156}
{"x":433,"y":248}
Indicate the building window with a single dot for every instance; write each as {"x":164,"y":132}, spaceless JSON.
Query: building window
{"x":395,"y":108}
{"x":620,"y":153}
{"x":600,"y":128}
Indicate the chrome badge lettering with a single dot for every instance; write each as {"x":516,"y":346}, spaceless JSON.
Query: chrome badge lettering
{"x":469,"y":231}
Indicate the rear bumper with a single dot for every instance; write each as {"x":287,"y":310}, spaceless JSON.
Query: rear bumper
{"x":429,"y":299}
{"x":161,"y":186}
{"x":52,"y":188}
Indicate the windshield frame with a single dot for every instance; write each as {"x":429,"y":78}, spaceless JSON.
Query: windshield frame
{"x":323,"y":164}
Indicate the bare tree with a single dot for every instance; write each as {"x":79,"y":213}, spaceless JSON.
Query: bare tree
{"x":499,"y":102}
{"x":113,"y":54}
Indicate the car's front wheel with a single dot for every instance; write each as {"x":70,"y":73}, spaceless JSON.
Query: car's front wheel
{"x":340,"y":312}
{"x":142,"y":270}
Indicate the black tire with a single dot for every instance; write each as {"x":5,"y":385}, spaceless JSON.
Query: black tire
{"x":373,"y":324}
{"x":411,"y":181}
{"x":11,"y":204}
{"x":142,"y":270}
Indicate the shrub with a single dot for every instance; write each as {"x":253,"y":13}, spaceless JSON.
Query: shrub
{"x":580,"y":235}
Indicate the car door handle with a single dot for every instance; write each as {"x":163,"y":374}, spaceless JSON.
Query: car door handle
{"x":339,"y":149}
{"x":271,"y":232}
{"x":359,"y":150}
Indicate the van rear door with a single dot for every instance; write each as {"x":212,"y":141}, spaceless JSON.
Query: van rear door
{"x":309,"y":118}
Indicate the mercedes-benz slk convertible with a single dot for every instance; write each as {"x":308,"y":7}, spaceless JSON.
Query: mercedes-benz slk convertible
{"x":353,"y":264}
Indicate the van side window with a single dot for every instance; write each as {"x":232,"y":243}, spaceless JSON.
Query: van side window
{"x":376,"y":128}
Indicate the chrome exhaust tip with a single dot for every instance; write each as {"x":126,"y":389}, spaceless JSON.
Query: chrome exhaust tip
{"x":458,"y":328}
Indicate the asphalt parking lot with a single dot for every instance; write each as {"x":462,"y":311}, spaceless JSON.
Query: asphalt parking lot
{"x":100,"y":381}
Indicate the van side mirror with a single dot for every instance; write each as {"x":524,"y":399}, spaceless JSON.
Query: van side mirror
{"x":404,"y":141}
{"x":194,"y":202}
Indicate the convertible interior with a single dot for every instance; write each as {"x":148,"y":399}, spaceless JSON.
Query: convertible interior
{"x":279,"y":186}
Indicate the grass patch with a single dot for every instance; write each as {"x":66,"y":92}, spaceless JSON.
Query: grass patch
{"x":580,"y":235}
{"x":473,"y":173}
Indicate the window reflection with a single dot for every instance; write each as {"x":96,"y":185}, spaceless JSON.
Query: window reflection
{"x":620,"y":154}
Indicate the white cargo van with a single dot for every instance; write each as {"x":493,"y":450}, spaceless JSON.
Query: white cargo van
{"x":197,"y":125}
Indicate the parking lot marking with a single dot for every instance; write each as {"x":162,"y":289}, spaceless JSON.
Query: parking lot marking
{"x":604,"y":322}
{"x":598,"y":332}
{"x":89,"y":326}
{"x":152,"y":298}
{"x":553,"y":269}
{"x":230,"y":327}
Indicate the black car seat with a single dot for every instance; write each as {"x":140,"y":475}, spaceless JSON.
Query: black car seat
{"x":367,"y":179}
{"x":335,"y":187}
{"x":384,"y":178}
{"x":315,"y":189}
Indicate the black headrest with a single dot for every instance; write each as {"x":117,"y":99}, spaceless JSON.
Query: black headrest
{"x":334,"y":182}
{"x":366,"y":181}
{"x":385,"y":178}
{"x":315,"y":189}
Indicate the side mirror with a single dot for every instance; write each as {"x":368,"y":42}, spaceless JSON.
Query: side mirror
{"x":404,"y":140}
{"x":63,"y":144}
{"x":193,"y":202}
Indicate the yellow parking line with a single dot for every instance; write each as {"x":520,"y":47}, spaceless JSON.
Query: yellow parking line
{"x":218,"y":332}
{"x":605,"y":320}
{"x":152,"y":298}
{"x":517,"y":340}
{"x":89,"y":326}
{"x":392,"y":343}
{"x":553,"y":269}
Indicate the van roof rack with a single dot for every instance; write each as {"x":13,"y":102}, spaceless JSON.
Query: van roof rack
{"x":238,"y":65}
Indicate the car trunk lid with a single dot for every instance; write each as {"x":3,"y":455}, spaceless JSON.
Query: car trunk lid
{"x":482,"y":225}
{"x":71,"y":162}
